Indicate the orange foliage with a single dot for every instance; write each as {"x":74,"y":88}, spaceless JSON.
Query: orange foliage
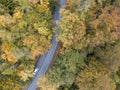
{"x":5,"y":48}
{"x":35,"y":53}
{"x":8,"y":57}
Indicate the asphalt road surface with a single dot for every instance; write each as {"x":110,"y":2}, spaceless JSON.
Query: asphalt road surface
{"x":45,"y":60}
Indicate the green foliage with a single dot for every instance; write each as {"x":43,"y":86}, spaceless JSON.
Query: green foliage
{"x":3,"y":66}
{"x":65,"y":69}
{"x":10,"y":83}
{"x":107,"y":2}
{"x":63,"y":73}
{"x":9,"y":71}
{"x":53,"y":4}
{"x":9,"y":5}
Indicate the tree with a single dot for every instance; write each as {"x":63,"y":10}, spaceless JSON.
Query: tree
{"x":43,"y":84}
{"x":72,"y":28}
{"x":10,"y":83}
{"x":9,"y":71}
{"x":8,"y":5}
{"x":94,"y":76}
{"x":25,"y":33}
{"x":102,"y":28}
{"x":89,"y":24}
{"x":25,"y":69}
{"x":53,"y":4}
{"x":65,"y":69}
{"x":83,"y":6}
{"x":109,"y":55}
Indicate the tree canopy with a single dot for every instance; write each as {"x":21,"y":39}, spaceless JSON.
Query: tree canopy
{"x":25,"y":33}
{"x":89,"y":31}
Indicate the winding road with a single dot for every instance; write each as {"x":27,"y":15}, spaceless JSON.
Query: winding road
{"x":45,"y":60}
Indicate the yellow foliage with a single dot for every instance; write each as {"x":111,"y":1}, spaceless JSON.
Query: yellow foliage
{"x":33,"y":1}
{"x":36,"y":25}
{"x":17,"y":14}
{"x":25,"y":76}
{"x":11,"y":58}
{"x":43,"y":7}
{"x":22,"y":24}
{"x":44,"y":2}
{"x":8,"y":57}
{"x":72,"y":28}
{"x":25,"y":72}
{"x":4,"y":56}
{"x":44,"y":85}
{"x":43,"y":31}
{"x":38,"y":44}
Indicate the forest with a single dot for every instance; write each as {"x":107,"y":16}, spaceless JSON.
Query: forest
{"x":25,"y":34}
{"x":88,"y":53}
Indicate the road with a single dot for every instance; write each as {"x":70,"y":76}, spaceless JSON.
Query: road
{"x":45,"y":60}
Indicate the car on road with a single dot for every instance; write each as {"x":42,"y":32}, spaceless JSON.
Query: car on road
{"x":35,"y":71}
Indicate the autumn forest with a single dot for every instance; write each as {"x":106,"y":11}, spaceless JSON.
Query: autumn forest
{"x":88,"y":52}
